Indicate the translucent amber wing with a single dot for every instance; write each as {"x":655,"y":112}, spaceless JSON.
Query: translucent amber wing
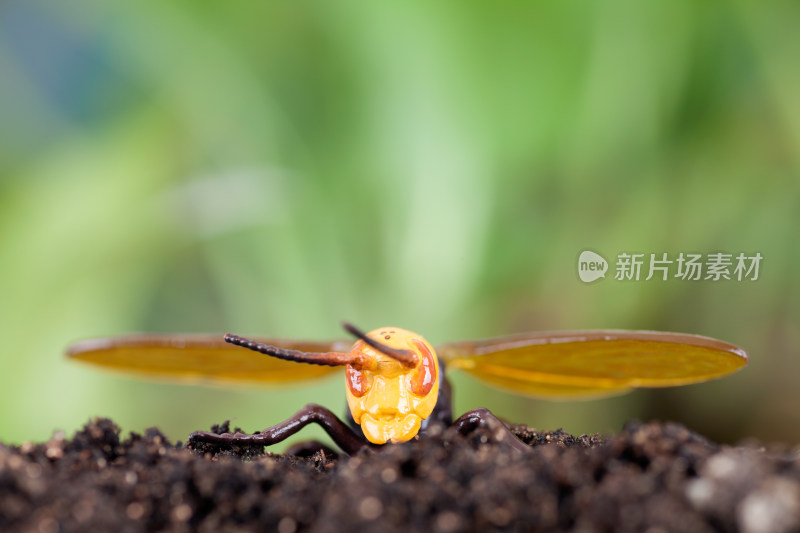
{"x":201,"y":358}
{"x":575,"y":364}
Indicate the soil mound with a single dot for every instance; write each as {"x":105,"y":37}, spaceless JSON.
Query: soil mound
{"x":650,"y":477}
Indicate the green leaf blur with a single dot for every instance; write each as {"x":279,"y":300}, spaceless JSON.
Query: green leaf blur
{"x":276,"y":168}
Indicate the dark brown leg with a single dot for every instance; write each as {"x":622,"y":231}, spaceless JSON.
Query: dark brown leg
{"x":344,"y":437}
{"x":483,"y":418}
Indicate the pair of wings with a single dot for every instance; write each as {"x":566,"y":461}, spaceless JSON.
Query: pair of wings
{"x":563,"y":364}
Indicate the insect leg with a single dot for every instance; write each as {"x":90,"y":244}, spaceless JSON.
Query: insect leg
{"x":483,"y":418}
{"x":344,"y":437}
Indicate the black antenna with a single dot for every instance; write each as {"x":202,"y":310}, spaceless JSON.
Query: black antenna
{"x":323,"y":358}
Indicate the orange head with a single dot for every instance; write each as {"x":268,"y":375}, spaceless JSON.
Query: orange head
{"x":390,"y":398}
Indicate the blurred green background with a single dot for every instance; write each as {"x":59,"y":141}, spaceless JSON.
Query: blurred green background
{"x":275,"y":169}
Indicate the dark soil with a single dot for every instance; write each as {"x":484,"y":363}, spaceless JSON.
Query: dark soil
{"x":652,"y":477}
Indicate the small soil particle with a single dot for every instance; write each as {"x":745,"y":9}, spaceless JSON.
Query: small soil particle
{"x":650,"y":477}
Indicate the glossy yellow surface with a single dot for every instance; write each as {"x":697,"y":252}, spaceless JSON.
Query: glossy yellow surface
{"x":593,"y":363}
{"x":390,"y":411}
{"x":200,"y":358}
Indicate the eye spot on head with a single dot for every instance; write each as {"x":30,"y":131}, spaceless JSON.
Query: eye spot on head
{"x":356,"y":382}
{"x":425,"y":375}
{"x":387,"y":337}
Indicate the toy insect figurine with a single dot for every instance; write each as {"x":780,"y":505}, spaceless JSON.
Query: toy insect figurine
{"x":395,"y":382}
